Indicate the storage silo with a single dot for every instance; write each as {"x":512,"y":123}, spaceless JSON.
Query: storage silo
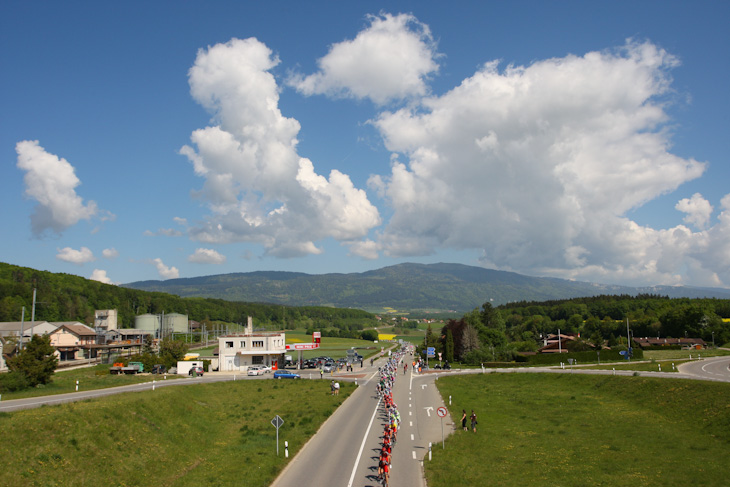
{"x":148,"y":322}
{"x":176,"y":322}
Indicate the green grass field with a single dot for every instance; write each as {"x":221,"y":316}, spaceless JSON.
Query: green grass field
{"x":663,"y":366}
{"x":333,"y":347}
{"x":576,"y":430}
{"x":683,"y":354}
{"x":214,"y":435}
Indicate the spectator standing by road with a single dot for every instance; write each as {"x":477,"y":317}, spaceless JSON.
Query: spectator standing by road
{"x":332,"y":387}
{"x":463,"y":419}
{"x":474,"y":423}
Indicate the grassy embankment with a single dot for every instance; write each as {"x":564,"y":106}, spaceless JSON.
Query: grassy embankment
{"x":576,"y":430}
{"x":89,"y":378}
{"x":216,"y":434}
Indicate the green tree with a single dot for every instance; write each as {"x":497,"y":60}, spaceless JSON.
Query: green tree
{"x":449,"y":346}
{"x":371,"y":335}
{"x":171,"y":351}
{"x":37,"y":361}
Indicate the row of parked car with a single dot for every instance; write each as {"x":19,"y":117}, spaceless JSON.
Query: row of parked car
{"x":328,"y":364}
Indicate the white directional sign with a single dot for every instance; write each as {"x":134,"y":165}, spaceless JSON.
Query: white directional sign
{"x":441,"y":412}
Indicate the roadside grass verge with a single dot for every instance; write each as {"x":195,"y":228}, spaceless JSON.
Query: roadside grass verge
{"x":652,"y":366}
{"x":96,"y":377}
{"x":684,"y":354}
{"x":216,"y":434}
{"x":579,"y":430}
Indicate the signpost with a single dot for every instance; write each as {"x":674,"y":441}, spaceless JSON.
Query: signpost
{"x":442,"y":413}
{"x":277,"y":422}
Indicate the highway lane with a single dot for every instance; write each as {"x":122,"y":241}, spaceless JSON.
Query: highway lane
{"x":345,"y":450}
{"x":339,"y":453}
{"x":714,"y":368}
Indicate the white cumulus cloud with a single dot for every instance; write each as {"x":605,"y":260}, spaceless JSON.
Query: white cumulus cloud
{"x":51,"y":182}
{"x":537,"y":167}
{"x":257,"y":187}
{"x":100,"y":275}
{"x":390,"y":59}
{"x":111,"y":253}
{"x":698,"y":210}
{"x":207,"y":256}
{"x":78,"y":257}
{"x":165,"y":271}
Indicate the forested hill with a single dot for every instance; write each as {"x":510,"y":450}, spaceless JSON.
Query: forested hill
{"x":65,"y":297}
{"x":405,"y":287}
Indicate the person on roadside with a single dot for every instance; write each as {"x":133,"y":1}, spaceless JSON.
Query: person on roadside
{"x":332,"y":387}
{"x":337,"y":388}
{"x":474,"y":422}
{"x":463,"y":419}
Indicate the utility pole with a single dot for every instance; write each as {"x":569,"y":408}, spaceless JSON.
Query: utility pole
{"x":22,"y":323}
{"x":560,"y":343}
{"x":628,"y":340}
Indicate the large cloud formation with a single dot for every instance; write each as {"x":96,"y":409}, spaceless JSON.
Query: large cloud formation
{"x":537,"y":167}
{"x":51,"y":181}
{"x":256,"y":185}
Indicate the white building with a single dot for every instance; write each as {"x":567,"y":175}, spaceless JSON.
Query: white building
{"x":238,"y":351}
{"x":106,"y":319}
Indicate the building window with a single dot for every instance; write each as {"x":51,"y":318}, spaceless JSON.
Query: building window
{"x":258,"y":344}
{"x":257,"y":359}
{"x":229,"y":344}
{"x":243,"y":344}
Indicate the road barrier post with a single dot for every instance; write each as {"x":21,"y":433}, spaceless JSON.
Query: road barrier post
{"x":77,"y":386}
{"x":429,"y":451}
{"x":286,"y":449}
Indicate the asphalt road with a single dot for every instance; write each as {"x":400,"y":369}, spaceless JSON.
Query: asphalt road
{"x":345,"y":450}
{"x":716,"y":368}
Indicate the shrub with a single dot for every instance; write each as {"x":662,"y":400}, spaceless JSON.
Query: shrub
{"x":13,"y":381}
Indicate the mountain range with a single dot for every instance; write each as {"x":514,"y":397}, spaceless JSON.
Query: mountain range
{"x":404,"y":287}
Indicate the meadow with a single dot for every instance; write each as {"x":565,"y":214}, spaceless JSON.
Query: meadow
{"x":577,"y":430}
{"x":95,"y":377}
{"x":216,"y":434}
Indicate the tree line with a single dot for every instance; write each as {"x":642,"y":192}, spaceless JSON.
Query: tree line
{"x":65,"y":297}
{"x":503,"y":333}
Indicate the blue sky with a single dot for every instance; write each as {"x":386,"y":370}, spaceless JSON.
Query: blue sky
{"x":154,"y":140}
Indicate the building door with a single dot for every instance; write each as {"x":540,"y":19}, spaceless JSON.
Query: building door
{"x":229,"y":363}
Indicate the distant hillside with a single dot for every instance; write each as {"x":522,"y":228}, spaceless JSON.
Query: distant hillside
{"x":405,"y":287}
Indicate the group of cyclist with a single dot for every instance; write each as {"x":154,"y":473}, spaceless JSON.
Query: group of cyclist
{"x":392,"y":416}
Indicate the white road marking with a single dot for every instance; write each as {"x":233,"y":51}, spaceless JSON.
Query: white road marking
{"x":414,"y":455}
{"x":412,"y":438}
{"x":428,"y":410}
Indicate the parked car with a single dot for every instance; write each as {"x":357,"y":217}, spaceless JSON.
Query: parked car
{"x":266,"y":369}
{"x":255,"y":370}
{"x":329,"y":367}
{"x":159,"y":369}
{"x":196,"y":371}
{"x":284,"y":374}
